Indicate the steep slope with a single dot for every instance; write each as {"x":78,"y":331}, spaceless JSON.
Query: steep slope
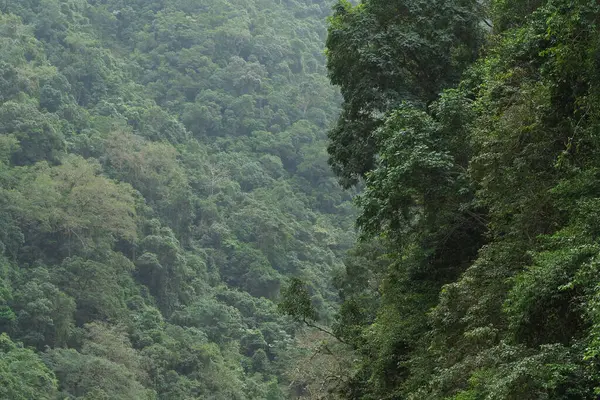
{"x":474,"y":127}
{"x":163,"y":171}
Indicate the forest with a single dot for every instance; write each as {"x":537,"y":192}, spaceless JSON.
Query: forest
{"x":163,"y":173}
{"x":299,"y":199}
{"x":473,"y":127}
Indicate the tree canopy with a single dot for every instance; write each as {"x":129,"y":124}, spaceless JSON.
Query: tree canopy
{"x":479,"y":163}
{"x":163,"y":173}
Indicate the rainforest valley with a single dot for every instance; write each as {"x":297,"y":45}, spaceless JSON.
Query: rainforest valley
{"x":299,"y":199}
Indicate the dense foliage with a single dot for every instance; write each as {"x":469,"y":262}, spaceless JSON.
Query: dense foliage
{"x":474,"y":128}
{"x":169,"y":192}
{"x":163,"y":170}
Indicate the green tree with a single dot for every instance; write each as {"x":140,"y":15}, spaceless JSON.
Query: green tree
{"x":90,"y":377}
{"x":75,"y":201}
{"x":44,"y":312}
{"x":23,"y":375}
{"x":382,"y":53}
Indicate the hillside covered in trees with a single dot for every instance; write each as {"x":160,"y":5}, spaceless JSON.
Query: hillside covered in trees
{"x":474,"y":127}
{"x":163,"y":170}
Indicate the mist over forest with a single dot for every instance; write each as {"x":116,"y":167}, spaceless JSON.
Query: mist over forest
{"x":299,"y":199}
